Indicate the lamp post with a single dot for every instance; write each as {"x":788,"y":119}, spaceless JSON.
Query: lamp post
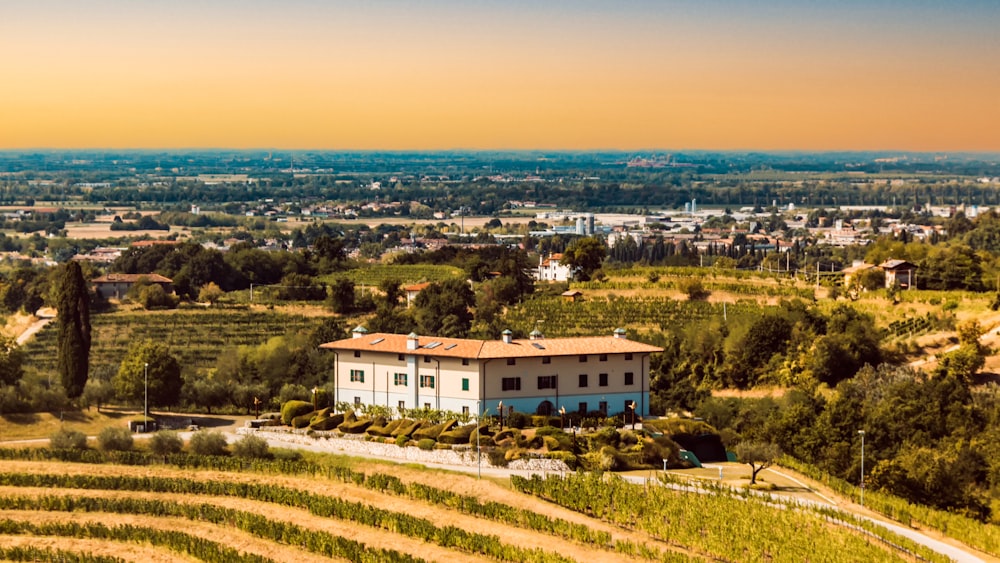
{"x":315,"y":392}
{"x":500,"y":410}
{"x":862,"y":432}
{"x":562,"y":418}
{"x":256,"y":408}
{"x":632,"y":408}
{"x":145,"y":395}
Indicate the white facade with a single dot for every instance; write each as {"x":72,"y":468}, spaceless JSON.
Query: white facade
{"x":552,"y":269}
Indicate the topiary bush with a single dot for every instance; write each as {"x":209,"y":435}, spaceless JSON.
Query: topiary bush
{"x":68,"y":440}
{"x":292,"y":409}
{"x":516,"y":420}
{"x":434,"y":431}
{"x":407,"y":428}
{"x":165,"y":442}
{"x":252,"y":447}
{"x":457,"y":435}
{"x":115,"y":439}
{"x":385,"y":430}
{"x":426,"y":444}
{"x":204,"y":442}
{"x":402,"y":440}
{"x":355,"y":427}
{"x":302,"y":420}
{"x":328,"y":423}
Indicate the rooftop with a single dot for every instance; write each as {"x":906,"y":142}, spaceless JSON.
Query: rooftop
{"x":487,"y":349}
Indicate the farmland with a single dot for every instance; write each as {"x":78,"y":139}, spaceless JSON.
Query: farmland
{"x":350,"y":510}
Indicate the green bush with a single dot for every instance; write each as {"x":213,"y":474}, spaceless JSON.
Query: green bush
{"x":402,"y":440}
{"x":497,"y":457}
{"x":516,"y":420}
{"x":286,"y":455}
{"x":482,"y":437}
{"x":458,"y":435}
{"x":434,"y":431}
{"x":292,"y":409}
{"x":68,"y":440}
{"x":385,"y":430}
{"x":115,"y":439}
{"x":426,"y":444}
{"x":303,"y":420}
{"x":165,"y":443}
{"x":549,"y":431}
{"x":407,"y":428}
{"x":204,"y":442}
{"x":328,"y":423}
{"x":356,"y":427}
{"x":251,"y":447}
{"x":537,"y":420}
{"x":567,"y":457}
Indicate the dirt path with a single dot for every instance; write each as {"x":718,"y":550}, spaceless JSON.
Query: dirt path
{"x":32,"y":330}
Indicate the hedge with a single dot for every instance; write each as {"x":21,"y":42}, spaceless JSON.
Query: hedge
{"x":292,"y":409}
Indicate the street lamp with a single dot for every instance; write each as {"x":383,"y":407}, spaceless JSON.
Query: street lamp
{"x":256,"y":408}
{"x":862,"y":432}
{"x":145,"y":395}
{"x":562,"y":418}
{"x":632,"y":408}
{"x":315,"y":392}
{"x":500,"y":410}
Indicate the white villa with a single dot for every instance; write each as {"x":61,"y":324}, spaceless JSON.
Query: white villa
{"x":538,"y":375}
{"x":552,"y":269}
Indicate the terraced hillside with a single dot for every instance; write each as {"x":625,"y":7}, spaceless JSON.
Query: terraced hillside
{"x":225,"y":509}
{"x":196,"y":337}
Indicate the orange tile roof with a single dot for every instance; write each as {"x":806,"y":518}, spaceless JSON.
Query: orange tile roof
{"x":485,"y":349}
{"x":416,"y":286}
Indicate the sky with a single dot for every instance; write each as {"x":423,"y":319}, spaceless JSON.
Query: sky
{"x":911,"y":75}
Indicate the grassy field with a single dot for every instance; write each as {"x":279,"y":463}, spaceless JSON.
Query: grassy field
{"x":347,"y":509}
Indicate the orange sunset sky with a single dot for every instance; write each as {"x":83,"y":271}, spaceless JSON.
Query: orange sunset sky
{"x":808,"y":75}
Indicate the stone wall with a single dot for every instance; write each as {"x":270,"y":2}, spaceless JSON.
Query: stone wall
{"x":358,"y":445}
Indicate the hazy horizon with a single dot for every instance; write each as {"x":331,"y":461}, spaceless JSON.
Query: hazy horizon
{"x":450,"y":75}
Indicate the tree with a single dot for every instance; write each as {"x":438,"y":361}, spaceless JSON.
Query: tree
{"x":11,"y":361}
{"x":210,"y":293}
{"x":442,"y":309}
{"x":585,"y":256}
{"x":162,"y":376}
{"x":73,"y":305}
{"x":758,"y":455}
{"x":341,"y":298}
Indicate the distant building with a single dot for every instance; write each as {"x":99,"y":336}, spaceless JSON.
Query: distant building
{"x":117,"y":286}
{"x":552,"y":269}
{"x":413,"y":290}
{"x":899,"y":271}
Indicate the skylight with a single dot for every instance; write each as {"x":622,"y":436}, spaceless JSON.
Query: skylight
{"x":450,"y":346}
{"x":432,"y":345}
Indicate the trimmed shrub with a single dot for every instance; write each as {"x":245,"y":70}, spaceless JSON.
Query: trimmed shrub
{"x":356,"y":427}
{"x":292,"y":409}
{"x":484,"y":437}
{"x":204,"y":442}
{"x":426,"y":444}
{"x":434,"y":431}
{"x":68,"y":440}
{"x":302,"y":421}
{"x":115,"y":439}
{"x":537,"y":420}
{"x":458,"y":435}
{"x":350,"y":416}
{"x":402,"y":440}
{"x":516,"y":420}
{"x":165,"y":442}
{"x":385,"y":430}
{"x":251,"y":447}
{"x":549,"y":431}
{"x":550,"y":443}
{"x":536,"y":443}
{"x":407,"y":428}
{"x":567,"y":457}
{"x":497,"y":457}
{"x":328,"y":423}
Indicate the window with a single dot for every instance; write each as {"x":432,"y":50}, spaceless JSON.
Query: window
{"x":511,"y":361}
{"x":357,"y":353}
{"x":400,"y":379}
{"x":427,"y":406}
{"x":583,"y":380}
{"x":465,"y":411}
{"x":546,"y":360}
{"x":602,"y":380}
{"x":628,"y":357}
{"x":465,"y":361}
{"x":546,"y":381}
{"x":427,"y":381}
{"x":402,"y":405}
{"x":357,"y":376}
{"x":629,"y":378}
{"x":401,"y":358}
{"x":583,"y":358}
{"x":602,"y":358}
{"x":465,"y":384}
{"x":511,"y":384}
{"x":427,"y":359}
{"x":582,"y":408}
{"x":357,"y":401}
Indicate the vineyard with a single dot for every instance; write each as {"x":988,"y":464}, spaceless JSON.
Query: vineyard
{"x":559,"y":317}
{"x":196,"y":337}
{"x":227,"y":509}
{"x":375,"y":274}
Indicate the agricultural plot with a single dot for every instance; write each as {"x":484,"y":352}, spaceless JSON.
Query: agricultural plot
{"x":226,"y":509}
{"x":559,"y":317}
{"x":195,"y":337}
{"x":377,"y":273}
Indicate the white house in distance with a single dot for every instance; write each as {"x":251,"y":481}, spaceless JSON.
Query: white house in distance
{"x":552,"y":269}
{"x":538,"y":375}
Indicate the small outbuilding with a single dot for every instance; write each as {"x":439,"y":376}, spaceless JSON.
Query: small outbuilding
{"x":571,"y":295}
{"x":899,"y":271}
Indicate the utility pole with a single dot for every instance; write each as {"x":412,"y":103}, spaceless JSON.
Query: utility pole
{"x":862,"y":433}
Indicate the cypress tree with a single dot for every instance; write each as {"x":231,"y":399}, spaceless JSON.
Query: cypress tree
{"x":73,"y":304}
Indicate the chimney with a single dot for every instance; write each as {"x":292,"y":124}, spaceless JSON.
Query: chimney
{"x":536,"y":335}
{"x":507,"y":336}
{"x":620,"y":333}
{"x":412,"y":341}
{"x":359,"y":332}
